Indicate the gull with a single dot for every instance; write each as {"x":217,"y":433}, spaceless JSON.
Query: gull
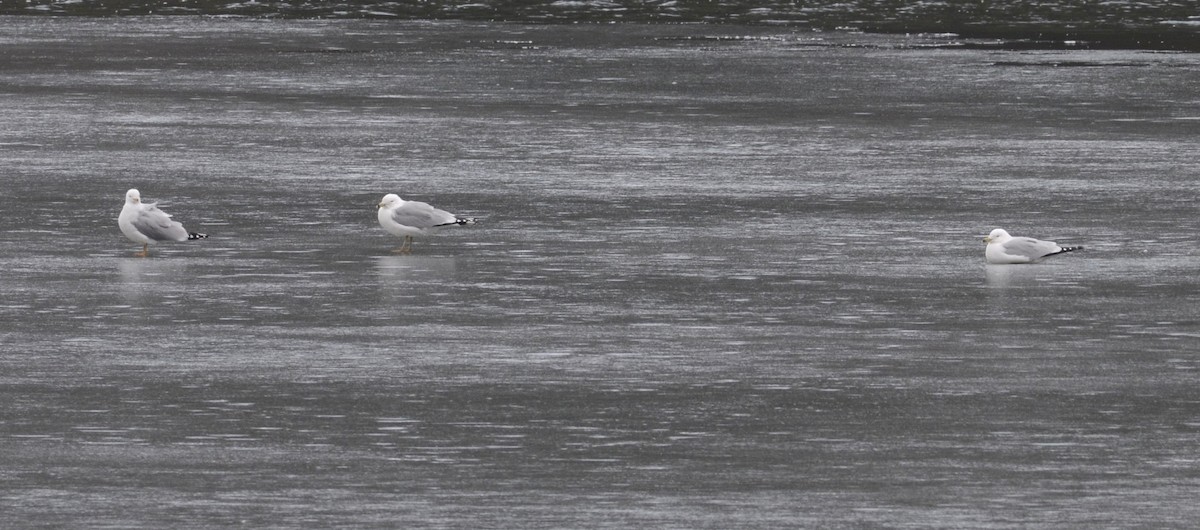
{"x":406,"y":219}
{"x":1003,"y":248}
{"x":143,"y":222}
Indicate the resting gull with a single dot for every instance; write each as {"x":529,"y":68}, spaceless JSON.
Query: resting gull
{"x":143,"y":222}
{"x":406,"y":219}
{"x":1003,"y":248}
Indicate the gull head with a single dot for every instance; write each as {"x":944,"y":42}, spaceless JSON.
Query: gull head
{"x":997,"y":236}
{"x":133,"y":196}
{"x":389,"y":200}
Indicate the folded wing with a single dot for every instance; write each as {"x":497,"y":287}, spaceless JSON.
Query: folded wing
{"x":157,"y":225}
{"x":1029,"y":247}
{"x":420,"y":215}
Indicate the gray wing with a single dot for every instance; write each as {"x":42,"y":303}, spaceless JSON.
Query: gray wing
{"x":420,"y":215}
{"x":157,"y":225}
{"x":1029,"y":247}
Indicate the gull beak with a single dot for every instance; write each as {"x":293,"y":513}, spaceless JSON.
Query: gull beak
{"x":987,"y":239}
{"x":380,"y":205}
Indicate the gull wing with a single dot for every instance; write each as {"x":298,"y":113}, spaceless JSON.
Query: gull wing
{"x":420,"y":215}
{"x":1029,"y":247}
{"x":157,"y":224}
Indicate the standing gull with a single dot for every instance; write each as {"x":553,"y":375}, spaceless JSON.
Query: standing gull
{"x":143,"y":222}
{"x":1003,"y":248}
{"x":406,"y":219}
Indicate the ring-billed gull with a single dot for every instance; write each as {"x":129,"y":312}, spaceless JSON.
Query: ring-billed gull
{"x":1005,"y":249}
{"x":406,"y":219}
{"x":143,"y":222}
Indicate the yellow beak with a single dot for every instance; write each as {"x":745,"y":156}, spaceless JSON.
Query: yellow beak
{"x":987,"y":239}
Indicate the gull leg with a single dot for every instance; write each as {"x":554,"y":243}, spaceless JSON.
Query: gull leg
{"x":145,"y":251}
{"x":405,"y":247}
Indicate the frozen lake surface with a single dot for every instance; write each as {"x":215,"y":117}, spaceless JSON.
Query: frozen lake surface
{"x":724,"y":277}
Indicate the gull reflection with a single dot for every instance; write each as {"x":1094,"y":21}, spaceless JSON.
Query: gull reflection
{"x":415,"y":268}
{"x":1004,"y":276}
{"x":141,"y":277}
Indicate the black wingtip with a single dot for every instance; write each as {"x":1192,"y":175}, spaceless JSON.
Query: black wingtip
{"x":460,"y":222}
{"x":193,"y":236}
{"x":1068,"y":249}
